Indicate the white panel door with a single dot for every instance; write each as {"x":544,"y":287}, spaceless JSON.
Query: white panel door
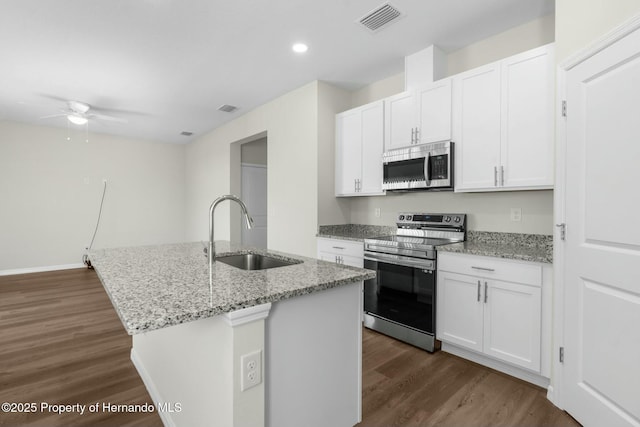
{"x":512,"y":322}
{"x":400,"y":119}
{"x":460,"y":307}
{"x":477,"y":105}
{"x":602,"y":249}
{"x":434,"y":112}
{"x":372,"y":131}
{"x":254,"y":195}
{"x":527,"y":119}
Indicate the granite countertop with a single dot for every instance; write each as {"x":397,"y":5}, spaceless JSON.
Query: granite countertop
{"x":355,"y":232}
{"x":524,"y":247}
{"x":152,"y":287}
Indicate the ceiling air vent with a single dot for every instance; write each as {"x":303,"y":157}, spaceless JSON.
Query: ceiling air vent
{"x":228,"y":108}
{"x":186,"y":133}
{"x":380,"y":17}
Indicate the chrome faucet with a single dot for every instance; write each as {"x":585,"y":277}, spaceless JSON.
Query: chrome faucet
{"x":248,"y":220}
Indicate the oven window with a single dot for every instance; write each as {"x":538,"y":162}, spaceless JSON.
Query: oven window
{"x":405,"y":170}
{"x":404,"y":295}
{"x":439,"y":167}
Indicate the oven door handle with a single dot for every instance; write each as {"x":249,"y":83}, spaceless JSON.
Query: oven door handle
{"x":400,"y":260}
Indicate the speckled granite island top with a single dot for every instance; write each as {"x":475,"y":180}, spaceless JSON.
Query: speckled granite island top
{"x":152,"y":287}
{"x":523,"y":247}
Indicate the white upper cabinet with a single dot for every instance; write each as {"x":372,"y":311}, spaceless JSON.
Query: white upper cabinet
{"x":359,"y":144}
{"x":503,"y":123}
{"x":400,"y":120}
{"x":434,"y":112}
{"x":527,"y":127}
{"x":418,"y":116}
{"x":476,"y":115}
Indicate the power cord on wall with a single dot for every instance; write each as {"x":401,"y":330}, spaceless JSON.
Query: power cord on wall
{"x":85,"y":258}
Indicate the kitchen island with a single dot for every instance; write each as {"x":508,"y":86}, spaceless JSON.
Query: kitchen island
{"x":192,"y":330}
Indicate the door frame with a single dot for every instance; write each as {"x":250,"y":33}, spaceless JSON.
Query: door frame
{"x":555,"y":391}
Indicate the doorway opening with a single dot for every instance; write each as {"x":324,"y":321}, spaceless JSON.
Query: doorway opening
{"x":249,"y":182}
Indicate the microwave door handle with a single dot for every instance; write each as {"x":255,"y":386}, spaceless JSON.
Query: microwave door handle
{"x":427,"y":169}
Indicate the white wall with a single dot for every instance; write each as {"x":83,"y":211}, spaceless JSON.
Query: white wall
{"x":290,"y":122}
{"x":378,"y":90}
{"x":487,"y":211}
{"x":331,"y":210}
{"x":579,"y":22}
{"x":254,"y":152}
{"x":50,"y":191}
{"x":515,"y":40}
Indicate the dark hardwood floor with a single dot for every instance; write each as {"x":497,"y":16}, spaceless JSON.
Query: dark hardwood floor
{"x":61,"y":342}
{"x":405,"y":386}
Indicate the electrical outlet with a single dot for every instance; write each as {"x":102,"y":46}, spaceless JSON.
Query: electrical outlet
{"x":516,"y":214}
{"x":377,"y":212}
{"x":250,"y":370}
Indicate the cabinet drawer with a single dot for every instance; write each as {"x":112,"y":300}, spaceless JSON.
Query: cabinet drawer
{"x":494,"y":268}
{"x":341,"y":247}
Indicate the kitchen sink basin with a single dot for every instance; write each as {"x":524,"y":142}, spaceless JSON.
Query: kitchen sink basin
{"x":255,"y":261}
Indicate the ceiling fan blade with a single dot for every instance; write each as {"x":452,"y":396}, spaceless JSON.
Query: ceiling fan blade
{"x":106,"y":118}
{"x":51,"y":116}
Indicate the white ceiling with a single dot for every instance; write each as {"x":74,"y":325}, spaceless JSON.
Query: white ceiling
{"x":167,"y":65}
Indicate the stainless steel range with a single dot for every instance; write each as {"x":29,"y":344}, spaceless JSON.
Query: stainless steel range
{"x":401,"y":300}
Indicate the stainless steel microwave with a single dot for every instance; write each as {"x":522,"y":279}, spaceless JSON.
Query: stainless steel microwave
{"x":421,"y":167}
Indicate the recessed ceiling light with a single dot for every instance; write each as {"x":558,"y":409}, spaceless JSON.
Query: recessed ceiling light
{"x":300,"y":48}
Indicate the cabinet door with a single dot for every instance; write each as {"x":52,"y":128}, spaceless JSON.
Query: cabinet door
{"x":527,"y":119}
{"x":399,"y":120}
{"x":434,"y":112}
{"x":512,"y":322}
{"x":459,"y":310}
{"x":372,"y":146}
{"x":348,"y":151}
{"x":341,"y":259}
{"x":477,"y":117}
{"x":326,"y":256}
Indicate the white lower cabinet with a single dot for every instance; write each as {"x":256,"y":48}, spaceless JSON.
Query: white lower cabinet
{"x":341,"y":251}
{"x":492,"y":307}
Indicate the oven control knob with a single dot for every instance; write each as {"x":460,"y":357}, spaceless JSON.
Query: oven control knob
{"x":457,"y":219}
{"x":447,"y":219}
{"x":408,"y":217}
{"x":401,"y":217}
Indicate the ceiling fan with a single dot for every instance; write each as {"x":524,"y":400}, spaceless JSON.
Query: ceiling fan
{"x":80,"y":113}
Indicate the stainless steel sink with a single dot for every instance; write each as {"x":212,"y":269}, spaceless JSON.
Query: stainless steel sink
{"x":255,"y":261}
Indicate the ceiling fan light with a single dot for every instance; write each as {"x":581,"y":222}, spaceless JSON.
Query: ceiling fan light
{"x":77,"y":120}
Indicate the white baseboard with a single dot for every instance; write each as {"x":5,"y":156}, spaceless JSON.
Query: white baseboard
{"x":40,"y":269}
{"x":551,"y":395}
{"x":522,"y":374}
{"x":151,"y":388}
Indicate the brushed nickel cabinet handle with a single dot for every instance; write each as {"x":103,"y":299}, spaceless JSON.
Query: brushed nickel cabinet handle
{"x":482,"y":268}
{"x":478,"y":290}
{"x":486,"y":295}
